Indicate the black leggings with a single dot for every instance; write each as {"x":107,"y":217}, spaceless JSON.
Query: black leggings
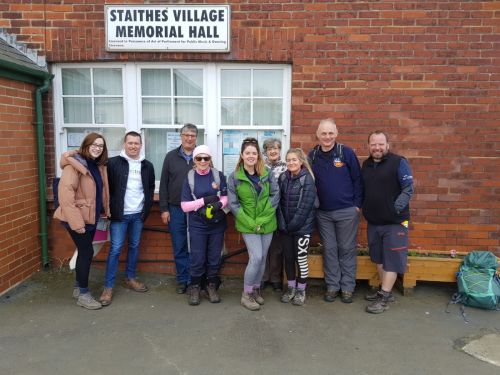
{"x":83,"y":243}
{"x":295,"y":248}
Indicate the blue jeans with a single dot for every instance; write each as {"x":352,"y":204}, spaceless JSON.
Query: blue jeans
{"x":131,"y":226}
{"x":178,"y":232}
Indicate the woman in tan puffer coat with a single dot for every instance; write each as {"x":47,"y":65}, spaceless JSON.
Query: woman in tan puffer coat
{"x":83,"y":195}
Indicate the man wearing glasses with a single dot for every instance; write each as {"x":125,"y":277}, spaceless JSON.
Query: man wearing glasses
{"x":176,"y":166}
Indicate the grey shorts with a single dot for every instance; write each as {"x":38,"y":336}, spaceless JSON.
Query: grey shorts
{"x":388,"y":245}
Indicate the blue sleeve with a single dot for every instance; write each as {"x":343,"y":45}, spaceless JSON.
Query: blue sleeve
{"x":406,"y":182}
{"x":357,"y":181}
{"x":404,"y":173}
{"x":186,"y":192}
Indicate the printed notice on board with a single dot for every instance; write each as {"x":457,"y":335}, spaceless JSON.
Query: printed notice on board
{"x":232,"y":140}
{"x":204,"y":28}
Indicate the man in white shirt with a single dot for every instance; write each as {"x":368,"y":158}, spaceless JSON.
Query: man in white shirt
{"x":131,"y":187}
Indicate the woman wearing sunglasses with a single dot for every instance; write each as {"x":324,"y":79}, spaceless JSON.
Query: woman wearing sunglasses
{"x":204,"y":197}
{"x":84,"y":197}
{"x":253,"y":197}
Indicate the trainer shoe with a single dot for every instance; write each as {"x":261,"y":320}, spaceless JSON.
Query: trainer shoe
{"x":106,"y":296}
{"x":299,"y":298}
{"x":194,"y":296}
{"x":135,"y":285}
{"x":288,"y":295}
{"x":86,"y":300}
{"x":381,"y":304}
{"x":181,"y":288}
{"x":213,"y":296}
{"x":248,"y":302}
{"x":378,"y":306}
{"x":257,"y":296}
{"x":76,"y":292}
{"x":373,"y":295}
{"x":330,"y":295}
{"x":277,"y":287}
{"x":346,"y":297}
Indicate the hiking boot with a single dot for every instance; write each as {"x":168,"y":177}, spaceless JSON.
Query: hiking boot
{"x":213,"y":296}
{"x":373,"y":295}
{"x":248,"y":302}
{"x":86,"y":300}
{"x":288,"y":295}
{"x":194,"y":296}
{"x":299,"y":298}
{"x":257,"y":296}
{"x":277,"y":287}
{"x":346,"y":297}
{"x":76,"y":292}
{"x":330,"y":295}
{"x":136,"y":285}
{"x":106,"y":296}
{"x":378,"y":307}
{"x":181,"y":288}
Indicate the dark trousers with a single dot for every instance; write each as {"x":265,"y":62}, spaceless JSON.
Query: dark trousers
{"x":274,"y":261}
{"x":83,"y":243}
{"x":205,"y":255}
{"x":295,"y":249}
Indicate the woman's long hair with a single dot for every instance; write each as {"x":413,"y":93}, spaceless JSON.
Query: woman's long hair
{"x":84,"y":150}
{"x":302,"y":157}
{"x":259,"y":166}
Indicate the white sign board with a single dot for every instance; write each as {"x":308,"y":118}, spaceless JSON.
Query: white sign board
{"x":202,"y":28}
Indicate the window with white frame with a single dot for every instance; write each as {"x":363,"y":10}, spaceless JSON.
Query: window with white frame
{"x":227,"y":102}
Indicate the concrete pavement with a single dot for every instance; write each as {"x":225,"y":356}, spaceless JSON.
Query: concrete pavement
{"x":42,"y":331}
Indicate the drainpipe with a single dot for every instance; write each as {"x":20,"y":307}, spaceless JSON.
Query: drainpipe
{"x":41,"y":80}
{"x":42,"y":191}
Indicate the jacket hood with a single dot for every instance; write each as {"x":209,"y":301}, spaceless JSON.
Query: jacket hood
{"x":74,"y":159}
{"x":124,"y":155}
{"x":301,"y":173}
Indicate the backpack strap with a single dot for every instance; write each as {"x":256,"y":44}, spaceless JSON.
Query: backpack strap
{"x":191,"y":182}
{"x":339,"y":149}
{"x":315,"y":151}
{"x":457,"y":299}
{"x":215,"y":174}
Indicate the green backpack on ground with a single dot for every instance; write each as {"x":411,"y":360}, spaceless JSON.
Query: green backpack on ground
{"x":478,"y":283}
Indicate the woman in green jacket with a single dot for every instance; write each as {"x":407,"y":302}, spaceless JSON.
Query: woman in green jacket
{"x":253,"y":197}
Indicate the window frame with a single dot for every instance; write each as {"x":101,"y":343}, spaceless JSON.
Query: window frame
{"x":132,"y":102}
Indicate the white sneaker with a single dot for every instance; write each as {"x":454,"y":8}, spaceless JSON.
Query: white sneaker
{"x":86,"y":300}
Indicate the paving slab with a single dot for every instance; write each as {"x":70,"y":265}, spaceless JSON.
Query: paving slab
{"x":42,"y":331}
{"x":485,"y":348}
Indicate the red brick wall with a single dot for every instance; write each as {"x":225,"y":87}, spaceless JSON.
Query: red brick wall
{"x":19,"y":225}
{"x":427,"y":72}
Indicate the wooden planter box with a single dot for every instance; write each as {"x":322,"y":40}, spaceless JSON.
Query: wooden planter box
{"x":430,"y":269}
{"x":419,"y":269}
{"x":366,"y":270}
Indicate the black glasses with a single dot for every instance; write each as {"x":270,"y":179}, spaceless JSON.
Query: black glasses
{"x":203,"y":158}
{"x":97,"y":145}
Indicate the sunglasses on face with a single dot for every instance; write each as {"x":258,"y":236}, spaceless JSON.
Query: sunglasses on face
{"x":203,"y":158}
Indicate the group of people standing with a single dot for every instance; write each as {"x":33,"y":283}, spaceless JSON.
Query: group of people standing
{"x":275,"y":204}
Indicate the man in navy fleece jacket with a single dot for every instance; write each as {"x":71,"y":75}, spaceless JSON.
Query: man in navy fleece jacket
{"x":340,"y":192}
